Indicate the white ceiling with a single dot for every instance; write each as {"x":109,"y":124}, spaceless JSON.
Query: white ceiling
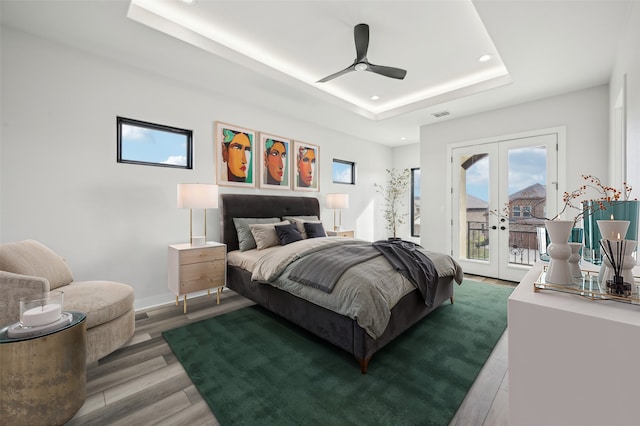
{"x":547,"y":48}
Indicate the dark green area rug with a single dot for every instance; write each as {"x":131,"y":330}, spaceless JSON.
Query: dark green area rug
{"x":254,"y":368}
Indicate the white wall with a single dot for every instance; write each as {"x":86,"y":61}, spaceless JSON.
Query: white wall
{"x":628,"y":64}
{"x":584,"y":113}
{"x":61,"y":184}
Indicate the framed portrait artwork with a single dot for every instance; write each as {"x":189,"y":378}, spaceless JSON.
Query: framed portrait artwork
{"x":235,"y":155}
{"x":305,"y":160}
{"x":275,"y":168}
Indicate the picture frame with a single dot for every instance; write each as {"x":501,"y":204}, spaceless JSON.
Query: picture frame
{"x":273,"y":156}
{"x":305,"y":164}
{"x":150,"y":144}
{"x":235,"y":155}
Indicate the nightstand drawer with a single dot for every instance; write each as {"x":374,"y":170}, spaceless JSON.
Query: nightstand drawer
{"x":202,"y":255}
{"x":195,"y":271}
{"x":200,"y":283}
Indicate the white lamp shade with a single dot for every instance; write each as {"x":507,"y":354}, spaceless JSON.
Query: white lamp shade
{"x":337,"y":201}
{"x":197,"y":196}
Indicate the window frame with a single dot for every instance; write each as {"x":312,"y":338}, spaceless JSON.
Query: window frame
{"x":348,"y":163}
{"x":187,"y":134}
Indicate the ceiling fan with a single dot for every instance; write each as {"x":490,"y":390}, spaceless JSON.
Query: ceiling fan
{"x":361,"y":36}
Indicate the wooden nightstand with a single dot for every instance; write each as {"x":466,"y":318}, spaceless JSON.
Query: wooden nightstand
{"x":197,"y":268}
{"x":341,"y":234}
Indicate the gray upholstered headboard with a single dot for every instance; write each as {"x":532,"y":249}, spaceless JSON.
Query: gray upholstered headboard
{"x":238,"y":205}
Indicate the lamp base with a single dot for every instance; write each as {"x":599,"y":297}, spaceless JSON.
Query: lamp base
{"x":198,"y":241}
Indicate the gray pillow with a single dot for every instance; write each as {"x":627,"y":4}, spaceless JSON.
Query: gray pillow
{"x":245,"y":238}
{"x":299,"y":222}
{"x":265,"y":234}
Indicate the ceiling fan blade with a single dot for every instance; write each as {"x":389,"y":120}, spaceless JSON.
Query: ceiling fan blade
{"x":361,"y":36}
{"x":387,"y":71}
{"x":337,"y":74}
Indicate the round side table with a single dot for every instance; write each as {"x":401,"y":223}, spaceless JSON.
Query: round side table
{"x":43,"y":378}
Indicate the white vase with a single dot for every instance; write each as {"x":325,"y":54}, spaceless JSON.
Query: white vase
{"x":574,"y":260}
{"x":559,"y":271}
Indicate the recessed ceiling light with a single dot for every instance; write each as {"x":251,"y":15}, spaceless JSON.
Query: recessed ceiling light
{"x":375,"y":97}
{"x":403,"y":138}
{"x":485,"y":58}
{"x":188,"y":1}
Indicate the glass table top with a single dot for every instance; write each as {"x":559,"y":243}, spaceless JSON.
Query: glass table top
{"x":76,"y":318}
{"x":589,"y":287}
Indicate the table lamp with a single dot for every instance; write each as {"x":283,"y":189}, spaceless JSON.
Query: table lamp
{"x":337,"y":202}
{"x":197,"y":196}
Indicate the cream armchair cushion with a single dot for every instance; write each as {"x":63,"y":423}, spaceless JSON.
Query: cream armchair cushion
{"x":31,"y":258}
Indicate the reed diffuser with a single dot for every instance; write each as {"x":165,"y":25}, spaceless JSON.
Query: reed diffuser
{"x":615,"y":251}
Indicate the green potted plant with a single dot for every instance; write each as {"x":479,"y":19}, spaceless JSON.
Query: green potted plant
{"x":393,"y":196}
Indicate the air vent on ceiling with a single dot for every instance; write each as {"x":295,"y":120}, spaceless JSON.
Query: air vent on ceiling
{"x":440,"y":114}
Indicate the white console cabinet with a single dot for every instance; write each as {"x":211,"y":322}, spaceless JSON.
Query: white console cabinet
{"x":572,"y":361}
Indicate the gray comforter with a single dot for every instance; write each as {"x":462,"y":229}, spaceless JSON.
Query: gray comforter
{"x":366,"y":292}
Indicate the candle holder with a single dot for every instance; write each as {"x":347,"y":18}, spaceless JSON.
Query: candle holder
{"x":613,"y":229}
{"x":40,"y":315}
{"x":595,"y":210}
{"x":40,"y":311}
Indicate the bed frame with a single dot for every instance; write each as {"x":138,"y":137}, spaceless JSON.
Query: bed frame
{"x":337,"y":329}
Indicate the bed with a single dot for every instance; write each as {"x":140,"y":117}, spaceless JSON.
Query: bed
{"x":337,"y":328}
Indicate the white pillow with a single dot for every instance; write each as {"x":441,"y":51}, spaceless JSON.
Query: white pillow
{"x":265,"y":234}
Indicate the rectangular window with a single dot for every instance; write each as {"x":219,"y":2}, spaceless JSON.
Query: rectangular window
{"x":516,"y":211}
{"x":152,"y":144}
{"x":344,"y":172}
{"x":526,"y":211}
{"x":415,"y":202}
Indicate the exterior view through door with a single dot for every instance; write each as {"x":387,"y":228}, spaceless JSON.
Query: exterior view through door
{"x":501,"y":192}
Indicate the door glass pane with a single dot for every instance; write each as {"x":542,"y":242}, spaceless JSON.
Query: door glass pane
{"x":415,"y":202}
{"x":474,"y":207}
{"x":527,"y":187}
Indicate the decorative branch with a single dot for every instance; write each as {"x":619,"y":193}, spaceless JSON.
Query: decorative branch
{"x":397,"y":185}
{"x":578,"y":199}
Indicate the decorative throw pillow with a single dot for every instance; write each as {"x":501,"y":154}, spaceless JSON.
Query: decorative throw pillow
{"x":288,"y":233}
{"x":314,"y":230}
{"x":245,"y":238}
{"x":299,"y":222}
{"x":265,"y":234}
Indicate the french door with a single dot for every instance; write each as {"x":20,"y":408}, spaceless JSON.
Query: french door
{"x":501,"y":192}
